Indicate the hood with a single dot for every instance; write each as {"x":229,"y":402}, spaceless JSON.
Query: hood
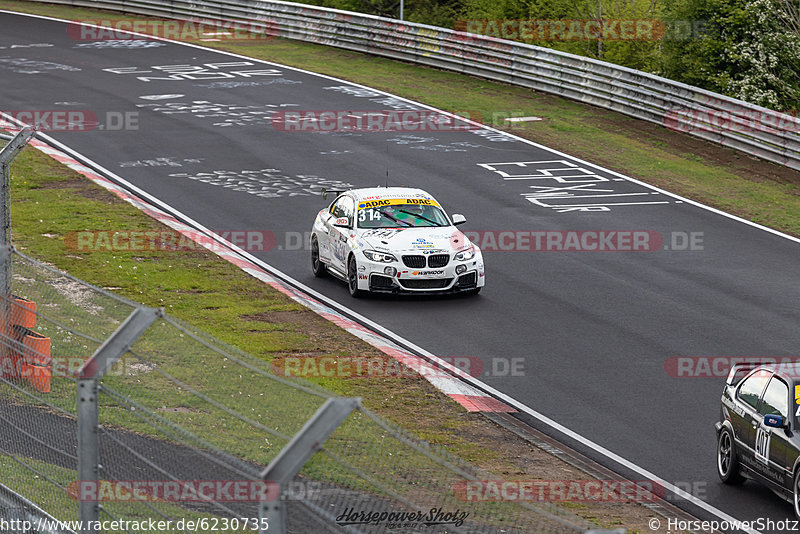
{"x":440,"y":239}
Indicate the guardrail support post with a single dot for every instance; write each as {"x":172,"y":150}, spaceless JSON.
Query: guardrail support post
{"x":7,"y":155}
{"x":89,"y":376}
{"x":296,"y":453}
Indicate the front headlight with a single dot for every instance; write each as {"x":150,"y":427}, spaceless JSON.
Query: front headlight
{"x":465,"y":255}
{"x":380,"y":257}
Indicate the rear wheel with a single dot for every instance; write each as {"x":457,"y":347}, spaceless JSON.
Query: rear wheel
{"x":352,"y":279}
{"x":728,"y":463}
{"x":796,"y":495}
{"x":316,"y":264}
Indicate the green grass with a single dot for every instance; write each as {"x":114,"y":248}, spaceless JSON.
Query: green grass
{"x":31,"y":478}
{"x":50,"y":201}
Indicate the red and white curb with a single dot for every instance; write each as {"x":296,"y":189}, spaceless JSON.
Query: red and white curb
{"x":443,"y":376}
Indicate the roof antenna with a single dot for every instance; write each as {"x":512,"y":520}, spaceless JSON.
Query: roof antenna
{"x":387,"y":163}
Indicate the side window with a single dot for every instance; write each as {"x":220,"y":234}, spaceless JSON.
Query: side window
{"x":348,"y":207}
{"x":751,"y":388}
{"x":344,"y":207}
{"x":336,"y":207}
{"x":776,"y":399}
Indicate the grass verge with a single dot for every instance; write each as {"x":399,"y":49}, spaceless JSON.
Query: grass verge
{"x":245,"y":313}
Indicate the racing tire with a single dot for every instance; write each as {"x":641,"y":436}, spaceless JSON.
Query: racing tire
{"x":317,"y":266}
{"x":796,"y":494}
{"x":352,"y":279}
{"x":727,"y":462}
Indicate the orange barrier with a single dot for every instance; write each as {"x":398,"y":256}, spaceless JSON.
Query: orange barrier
{"x":36,"y":361}
{"x":33,"y":363}
{"x":21,"y":312}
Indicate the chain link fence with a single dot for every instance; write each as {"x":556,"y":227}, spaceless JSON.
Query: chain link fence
{"x":188,"y":424}
{"x":123,"y":414}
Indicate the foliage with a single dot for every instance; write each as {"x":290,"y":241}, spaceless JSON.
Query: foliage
{"x":749,"y":49}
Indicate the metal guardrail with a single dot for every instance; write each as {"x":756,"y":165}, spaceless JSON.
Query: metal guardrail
{"x":717,"y":118}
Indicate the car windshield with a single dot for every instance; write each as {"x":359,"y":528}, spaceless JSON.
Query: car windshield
{"x":401,"y":216}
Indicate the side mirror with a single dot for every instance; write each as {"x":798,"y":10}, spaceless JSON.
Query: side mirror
{"x":342,"y":222}
{"x":774,"y":421}
{"x":458,"y":219}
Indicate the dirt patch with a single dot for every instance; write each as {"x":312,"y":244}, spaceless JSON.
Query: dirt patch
{"x":84,"y":187}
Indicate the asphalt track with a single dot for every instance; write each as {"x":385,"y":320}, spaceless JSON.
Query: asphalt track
{"x":594,"y":330}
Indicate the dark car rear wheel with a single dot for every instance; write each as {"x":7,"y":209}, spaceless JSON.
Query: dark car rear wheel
{"x":316,"y":264}
{"x":727,"y":462}
{"x":796,"y":495}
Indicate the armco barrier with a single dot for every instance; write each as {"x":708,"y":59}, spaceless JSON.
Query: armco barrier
{"x":717,"y":118}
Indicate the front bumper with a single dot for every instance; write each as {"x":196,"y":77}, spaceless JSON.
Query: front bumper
{"x":372,"y":277}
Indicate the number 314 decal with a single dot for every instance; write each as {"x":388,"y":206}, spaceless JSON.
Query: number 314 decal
{"x":762,"y":445}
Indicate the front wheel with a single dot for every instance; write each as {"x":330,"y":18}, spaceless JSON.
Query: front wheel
{"x":728,"y":463}
{"x":316,"y":264}
{"x":352,"y":279}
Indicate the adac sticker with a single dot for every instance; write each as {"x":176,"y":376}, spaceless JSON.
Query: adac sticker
{"x":797,"y":392}
{"x":396,"y":201}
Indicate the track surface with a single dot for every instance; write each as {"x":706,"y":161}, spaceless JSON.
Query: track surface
{"x":594,"y":329}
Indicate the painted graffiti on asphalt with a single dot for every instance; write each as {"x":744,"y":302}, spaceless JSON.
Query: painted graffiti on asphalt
{"x":221,"y":114}
{"x":266,"y":183}
{"x":122,"y":43}
{"x":21,"y":65}
{"x":564,"y":186}
{"x":161,"y":162}
{"x":206,"y":71}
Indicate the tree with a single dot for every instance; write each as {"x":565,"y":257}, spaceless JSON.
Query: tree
{"x":749,"y":50}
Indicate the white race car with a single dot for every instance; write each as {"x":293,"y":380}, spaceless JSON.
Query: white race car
{"x":394,"y":240}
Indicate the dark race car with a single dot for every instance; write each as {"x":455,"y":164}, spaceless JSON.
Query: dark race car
{"x":756,"y":436}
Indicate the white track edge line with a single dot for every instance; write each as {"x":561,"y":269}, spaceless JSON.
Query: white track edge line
{"x":513,"y":402}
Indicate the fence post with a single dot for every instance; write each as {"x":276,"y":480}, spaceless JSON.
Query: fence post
{"x":88,"y":449}
{"x":295,"y":454}
{"x":7,"y":155}
{"x":89,"y":376}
